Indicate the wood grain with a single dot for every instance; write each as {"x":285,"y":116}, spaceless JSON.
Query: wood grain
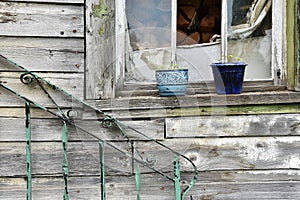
{"x":44,"y":54}
{"x":47,"y":20}
{"x":273,"y":184}
{"x":222,"y":126}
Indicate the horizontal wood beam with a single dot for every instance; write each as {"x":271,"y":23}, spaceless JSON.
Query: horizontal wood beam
{"x":49,"y":1}
{"x":250,"y":185}
{"x":208,"y":154}
{"x":41,"y":20}
{"x":233,"y":126}
{"x":45,"y":54}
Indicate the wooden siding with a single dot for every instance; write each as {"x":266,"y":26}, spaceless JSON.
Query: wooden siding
{"x":297,"y":48}
{"x":100,"y":47}
{"x":245,"y":146}
{"x":45,"y":54}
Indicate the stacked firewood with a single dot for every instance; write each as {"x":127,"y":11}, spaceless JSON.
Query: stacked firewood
{"x":198,"y":21}
{"x":149,"y":22}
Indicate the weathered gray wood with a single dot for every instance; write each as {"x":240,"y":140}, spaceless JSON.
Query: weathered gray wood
{"x":70,"y":82}
{"x":251,"y":98}
{"x":47,"y":158}
{"x":217,"y":185}
{"x":150,"y":89}
{"x":220,"y":126}
{"x":297,"y":51}
{"x":31,"y":19}
{"x":20,"y":112}
{"x":133,"y":113}
{"x":100,"y":37}
{"x":17,"y":110}
{"x":260,"y":153}
{"x":13,"y":129}
{"x":44,"y":54}
{"x":193,"y":91}
{"x":229,"y":153}
{"x":50,"y":1}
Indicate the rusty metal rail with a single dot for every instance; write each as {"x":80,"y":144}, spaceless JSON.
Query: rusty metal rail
{"x":55,"y":102}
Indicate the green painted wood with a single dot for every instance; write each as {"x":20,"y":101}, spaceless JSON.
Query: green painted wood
{"x":297,"y":47}
{"x":177,"y":178}
{"x":65,"y":165}
{"x":290,"y":44}
{"x":29,"y":78}
{"x":28,"y":151}
{"x":102,"y":169}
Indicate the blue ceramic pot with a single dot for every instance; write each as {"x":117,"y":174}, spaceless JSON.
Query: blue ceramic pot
{"x":228,"y":77}
{"x":172,"y":82}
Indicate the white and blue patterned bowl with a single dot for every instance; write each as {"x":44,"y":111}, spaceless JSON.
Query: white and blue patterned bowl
{"x":172,"y":82}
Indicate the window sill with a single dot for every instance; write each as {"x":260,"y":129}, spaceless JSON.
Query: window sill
{"x":254,"y":102}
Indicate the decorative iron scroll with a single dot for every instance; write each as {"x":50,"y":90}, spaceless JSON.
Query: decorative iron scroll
{"x":106,"y":121}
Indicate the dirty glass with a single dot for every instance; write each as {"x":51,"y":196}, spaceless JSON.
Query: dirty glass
{"x":149,"y":23}
{"x":198,"y":21}
{"x":250,"y":35}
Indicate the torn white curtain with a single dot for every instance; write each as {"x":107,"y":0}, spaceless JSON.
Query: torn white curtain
{"x":255,"y":16}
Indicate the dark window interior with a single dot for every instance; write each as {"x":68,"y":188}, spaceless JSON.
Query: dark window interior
{"x":198,"y":21}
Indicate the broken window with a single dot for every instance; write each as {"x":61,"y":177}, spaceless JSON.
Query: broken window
{"x":150,"y":27}
{"x":249,"y":18}
{"x":198,"y":21}
{"x":149,"y":22}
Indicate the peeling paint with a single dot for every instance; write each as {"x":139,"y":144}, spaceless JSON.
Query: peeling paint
{"x":104,"y":12}
{"x":6,"y":17}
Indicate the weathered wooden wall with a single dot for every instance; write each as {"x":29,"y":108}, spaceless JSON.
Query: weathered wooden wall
{"x":244,"y":152}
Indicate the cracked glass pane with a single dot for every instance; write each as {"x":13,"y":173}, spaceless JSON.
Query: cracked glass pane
{"x":250,"y":35}
{"x":149,"y":23}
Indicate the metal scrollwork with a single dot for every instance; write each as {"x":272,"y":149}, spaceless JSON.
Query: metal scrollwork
{"x":151,"y":161}
{"x":107,"y":122}
{"x":72,"y":114}
{"x":26,"y":78}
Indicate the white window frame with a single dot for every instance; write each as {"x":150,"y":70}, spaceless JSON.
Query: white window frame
{"x":278,"y":60}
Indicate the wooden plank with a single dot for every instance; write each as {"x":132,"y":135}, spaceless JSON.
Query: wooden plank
{"x":202,"y":111}
{"x":50,"y":1}
{"x":47,"y":158}
{"x":197,"y":91}
{"x":72,"y":83}
{"x":296,"y":48}
{"x":249,"y":98}
{"x":13,"y":129}
{"x":279,"y":69}
{"x":240,"y":185}
{"x":227,"y":153}
{"x":47,"y":20}
{"x":44,"y":54}
{"x":258,"y":153}
{"x":20,"y":112}
{"x":291,"y":48}
{"x":150,"y":89}
{"x":132,"y":114}
{"x":222,"y":126}
{"x":200,"y":85}
{"x":100,"y":48}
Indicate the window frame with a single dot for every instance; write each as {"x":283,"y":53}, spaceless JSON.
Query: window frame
{"x":278,"y":60}
{"x":280,"y":51}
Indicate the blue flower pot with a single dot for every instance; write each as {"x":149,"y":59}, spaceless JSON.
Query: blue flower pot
{"x":172,"y":82}
{"x":228,"y":77}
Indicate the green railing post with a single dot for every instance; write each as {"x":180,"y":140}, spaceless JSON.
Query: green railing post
{"x":28,"y":150}
{"x":27,"y":77}
{"x":65,"y":165}
{"x":138,"y":182}
{"x":177,"y":178}
{"x":102,"y":170}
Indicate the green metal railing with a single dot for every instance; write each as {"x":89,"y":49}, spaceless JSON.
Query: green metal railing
{"x":69,"y":119}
